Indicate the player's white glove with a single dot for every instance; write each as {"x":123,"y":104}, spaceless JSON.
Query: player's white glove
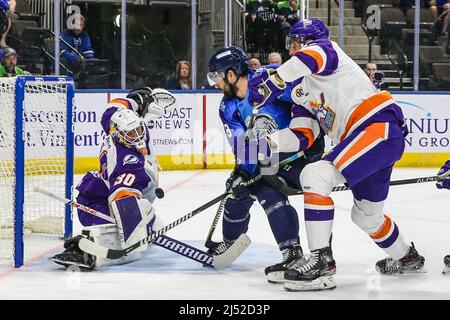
{"x":163,"y":102}
{"x":263,"y":125}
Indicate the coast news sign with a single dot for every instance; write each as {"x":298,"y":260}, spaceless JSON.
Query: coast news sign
{"x":174,"y":133}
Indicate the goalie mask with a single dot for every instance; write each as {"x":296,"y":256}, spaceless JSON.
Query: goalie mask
{"x":129,"y":130}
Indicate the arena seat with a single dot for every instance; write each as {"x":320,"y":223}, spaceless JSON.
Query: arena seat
{"x":425,"y":39}
{"x":426,"y":18}
{"x":428,"y":55}
{"x":392,"y":24}
{"x":440,"y":76}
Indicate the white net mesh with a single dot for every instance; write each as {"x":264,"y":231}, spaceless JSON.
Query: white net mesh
{"x":44,"y":126}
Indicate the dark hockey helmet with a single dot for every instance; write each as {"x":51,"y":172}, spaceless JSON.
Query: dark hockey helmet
{"x":143,"y":98}
{"x":224,"y":59}
{"x":303,"y":30}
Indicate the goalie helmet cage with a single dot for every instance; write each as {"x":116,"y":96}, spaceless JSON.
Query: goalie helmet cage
{"x":36,"y":149}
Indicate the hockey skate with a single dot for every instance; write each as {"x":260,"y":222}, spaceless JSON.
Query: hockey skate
{"x":413,"y":262}
{"x":275,"y":273}
{"x":447,"y":265}
{"x":312,"y":273}
{"x":73,"y":256}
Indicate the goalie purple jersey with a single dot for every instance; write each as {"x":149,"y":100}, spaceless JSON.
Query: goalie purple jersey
{"x":123,"y":172}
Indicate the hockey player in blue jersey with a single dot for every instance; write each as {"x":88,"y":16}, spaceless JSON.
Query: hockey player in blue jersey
{"x":229,"y":72}
{"x":125,"y":185}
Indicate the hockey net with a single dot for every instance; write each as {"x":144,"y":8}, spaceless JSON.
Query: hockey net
{"x":43,"y":154}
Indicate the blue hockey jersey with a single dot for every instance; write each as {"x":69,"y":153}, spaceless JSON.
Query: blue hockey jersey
{"x":236,"y":113}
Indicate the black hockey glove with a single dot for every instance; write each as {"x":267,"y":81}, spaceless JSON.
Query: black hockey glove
{"x":234,"y":184}
{"x":143,"y":98}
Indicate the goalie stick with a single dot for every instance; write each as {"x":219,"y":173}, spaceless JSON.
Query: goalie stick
{"x":100,"y":251}
{"x":217,"y":261}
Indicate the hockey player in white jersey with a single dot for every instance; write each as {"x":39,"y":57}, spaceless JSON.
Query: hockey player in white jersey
{"x":124,"y":187}
{"x":367,"y":128}
{"x":444,"y":183}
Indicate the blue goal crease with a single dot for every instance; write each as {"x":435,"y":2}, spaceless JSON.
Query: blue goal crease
{"x":159,"y":260}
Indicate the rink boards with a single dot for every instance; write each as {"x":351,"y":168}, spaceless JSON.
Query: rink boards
{"x":192,"y":137}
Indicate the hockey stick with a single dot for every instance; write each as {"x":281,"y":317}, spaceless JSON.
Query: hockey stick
{"x":292,"y":191}
{"x":100,"y":251}
{"x":394,"y":183}
{"x":181,"y":248}
{"x":208,"y":242}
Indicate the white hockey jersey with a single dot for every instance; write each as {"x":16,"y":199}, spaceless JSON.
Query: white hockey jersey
{"x":333,"y":87}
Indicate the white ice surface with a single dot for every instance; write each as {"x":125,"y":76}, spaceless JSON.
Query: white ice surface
{"x":421,"y":211}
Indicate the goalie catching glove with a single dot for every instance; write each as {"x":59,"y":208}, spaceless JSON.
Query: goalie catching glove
{"x":152,"y":103}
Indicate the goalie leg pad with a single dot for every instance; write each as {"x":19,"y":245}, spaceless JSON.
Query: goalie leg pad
{"x":134,"y":218}
{"x":107,"y":235}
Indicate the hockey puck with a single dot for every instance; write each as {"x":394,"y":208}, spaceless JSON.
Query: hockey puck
{"x":159,"y":193}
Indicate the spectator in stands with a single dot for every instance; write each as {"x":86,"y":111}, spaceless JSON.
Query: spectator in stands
{"x":4,"y":21}
{"x":79,"y":40}
{"x":376,"y":77}
{"x":275,"y":58}
{"x":254,"y":63}
{"x":8,"y":67}
{"x":287,"y":14}
{"x":288,"y":11}
{"x":7,"y":9}
{"x":182,"y":78}
{"x":439,"y":7}
{"x":260,"y":23}
{"x":370,"y":70}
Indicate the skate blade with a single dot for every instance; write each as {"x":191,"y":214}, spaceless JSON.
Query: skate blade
{"x":406,"y":272}
{"x":322,"y":283}
{"x":67,"y":264}
{"x":276,"y":277}
{"x":410,"y":272}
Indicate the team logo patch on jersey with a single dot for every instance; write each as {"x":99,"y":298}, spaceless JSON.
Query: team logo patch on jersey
{"x":324,"y":114}
{"x":300,"y":93}
{"x":130,"y":159}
